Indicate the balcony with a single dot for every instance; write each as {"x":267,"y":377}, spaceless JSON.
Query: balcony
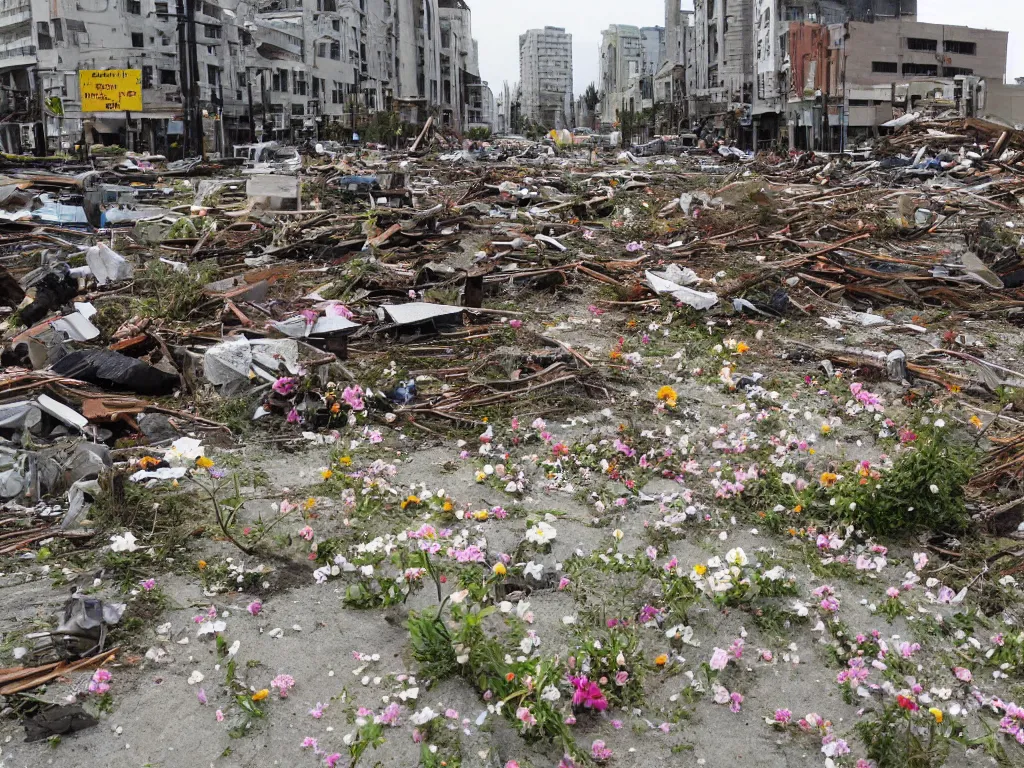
{"x":11,"y":14}
{"x":275,"y":41}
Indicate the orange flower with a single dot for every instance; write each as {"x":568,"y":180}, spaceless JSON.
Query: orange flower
{"x":661,"y":660}
{"x":260,"y":695}
{"x":975,"y":421}
{"x":828,"y":479}
{"x":510,"y":676}
{"x":148,"y":462}
{"x":336,"y":408}
{"x":742,"y":347}
{"x":201,"y":564}
{"x":203,"y":462}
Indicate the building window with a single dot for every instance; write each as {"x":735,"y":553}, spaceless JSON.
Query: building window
{"x":211,"y":30}
{"x":298,"y":110}
{"x":922,"y":44}
{"x":328,"y":6}
{"x":138,"y":40}
{"x":43,"y":35}
{"x":958,"y":46}
{"x":338,"y":94}
{"x":910,"y":68}
{"x":887,"y":67}
{"x":168,"y":77}
{"x":161,"y":10}
{"x":147,"y":76}
{"x":279,"y":80}
{"x":299,"y":85}
{"x":954,"y":71}
{"x":242,"y":79}
{"x":336,"y":50}
{"x":134,"y":7}
{"x":316,"y":87}
{"x":212,"y":75}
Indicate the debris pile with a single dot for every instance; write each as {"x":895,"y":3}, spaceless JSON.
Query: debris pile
{"x":615,"y":355}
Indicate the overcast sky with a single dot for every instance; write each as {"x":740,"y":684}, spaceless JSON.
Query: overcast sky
{"x":497,"y":24}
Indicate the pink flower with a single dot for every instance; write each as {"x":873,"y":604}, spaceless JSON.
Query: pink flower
{"x":719,"y":659}
{"x":664,"y":727}
{"x":332,"y":760}
{"x":283,"y":684}
{"x":634,"y":247}
{"x":525,"y":716}
{"x":783,"y":716}
{"x":588,"y":695}
{"x":963,"y":675}
{"x":511,"y":764}
{"x":390,"y":714}
{"x":353,"y":397}
{"x":736,"y":649}
{"x":219,"y":715}
{"x":284,"y":386}
{"x":306,"y":533}
{"x":621,"y":678}
{"x":451,"y":714}
{"x":892,"y":592}
{"x":617,"y":724}
{"x":102,"y":676}
{"x":201,"y":695}
{"x":737,"y":700}
{"x":946,"y":595}
{"x":254,"y":607}
{"x":293,"y":416}
{"x":920,"y":560}
{"x":563,"y":582}
{"x":599,"y":751}
{"x":375,"y":436}
{"x":309,"y":743}
{"x":517,"y":324}
{"x":318,"y":711}
{"x":147,"y":584}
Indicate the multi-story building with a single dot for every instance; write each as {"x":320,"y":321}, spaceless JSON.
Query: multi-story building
{"x":773,"y":64}
{"x":847,"y":79}
{"x":723,"y":66}
{"x":628,"y":56}
{"x":672,"y":83}
{"x":259,"y":69}
{"x":545,"y":76}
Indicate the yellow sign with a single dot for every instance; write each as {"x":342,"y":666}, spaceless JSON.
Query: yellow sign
{"x":110,"y":90}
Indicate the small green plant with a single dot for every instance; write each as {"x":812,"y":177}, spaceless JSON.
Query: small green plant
{"x":432,"y":645}
{"x":924,"y":490}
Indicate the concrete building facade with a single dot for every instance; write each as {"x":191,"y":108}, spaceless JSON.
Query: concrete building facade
{"x":723,"y":58}
{"x":628,"y":57}
{"x":283,"y":69}
{"x":545,"y":76}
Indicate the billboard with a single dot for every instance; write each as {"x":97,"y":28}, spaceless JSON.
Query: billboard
{"x":110,"y":90}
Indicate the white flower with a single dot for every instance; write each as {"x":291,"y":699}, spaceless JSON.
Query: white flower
{"x":458,"y":597}
{"x":195,"y":677}
{"x":788,"y":478}
{"x":715,"y":562}
{"x":940,"y":423}
{"x":933,"y":488}
{"x":775,"y":573}
{"x":211,"y":628}
{"x":409,"y":693}
{"x":423,"y":716}
{"x":736,"y":556}
{"x":618,"y":534}
{"x":366,"y":570}
{"x":533,"y":569}
{"x":541,"y":533}
{"x":505,"y":606}
{"x":123,"y":543}
{"x":800,"y":608}
{"x":550,"y":693}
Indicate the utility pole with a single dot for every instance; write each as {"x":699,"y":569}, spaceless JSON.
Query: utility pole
{"x":186,"y":82}
{"x":193,"y":65}
{"x":252,"y":118}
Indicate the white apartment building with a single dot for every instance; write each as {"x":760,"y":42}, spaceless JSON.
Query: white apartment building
{"x":258,"y":69}
{"x":545,"y":76}
{"x":628,"y":55}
